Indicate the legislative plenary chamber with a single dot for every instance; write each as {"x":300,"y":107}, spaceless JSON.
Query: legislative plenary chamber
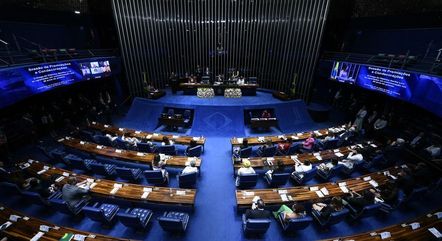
{"x":220,"y":120}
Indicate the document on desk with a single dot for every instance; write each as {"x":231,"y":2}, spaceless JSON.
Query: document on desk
{"x":79,"y":237}
{"x":118,"y":151}
{"x":415,"y":225}
{"x":314,"y":188}
{"x":435,"y":232}
{"x":37,"y":236}
{"x":344,"y":189}
{"x":368,"y":178}
{"x":319,"y":193}
{"x":92,"y":185}
{"x":325,"y":191}
{"x":145,"y":195}
{"x":284,"y":197}
{"x":338,"y":154}
{"x":196,"y":138}
{"x":148,"y":136}
{"x":5,"y":225}
{"x":114,"y":190}
{"x":373,"y":183}
{"x":385,"y":235}
{"x":282,"y":191}
{"x":137,"y":132}
{"x":181,"y":193}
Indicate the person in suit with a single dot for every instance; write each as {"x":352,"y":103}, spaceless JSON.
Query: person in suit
{"x":360,"y":117}
{"x":38,"y":186}
{"x":278,"y":168}
{"x":266,"y":114}
{"x":166,"y":141}
{"x":173,"y":82}
{"x":158,"y":165}
{"x":72,"y":194}
{"x":359,"y":201}
{"x":192,"y":144}
{"x":405,"y":181}
{"x":257,"y":211}
{"x":325,"y":210}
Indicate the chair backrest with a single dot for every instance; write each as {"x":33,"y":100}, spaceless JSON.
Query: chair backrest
{"x":369,"y":210}
{"x":125,"y":173}
{"x":330,"y":144}
{"x":71,"y":157}
{"x":144,"y":147}
{"x":195,"y":151}
{"x":280,"y":178}
{"x":119,"y":143}
{"x":61,"y":206}
{"x":186,"y":114}
{"x":292,"y":149}
{"x":93,"y":213}
{"x":245,"y":152}
{"x":102,"y":140}
{"x":309,"y":175}
{"x":248,"y":180}
{"x":130,"y":220}
{"x":187,"y":180}
{"x":99,"y":168}
{"x":257,"y":226}
{"x":167,"y":149}
{"x":269,"y":151}
{"x":338,"y":216}
{"x":154,"y":177}
{"x":11,"y":188}
{"x":35,"y":198}
{"x":171,"y":224}
{"x":170,"y":112}
{"x":298,"y":223}
{"x":86,"y":135}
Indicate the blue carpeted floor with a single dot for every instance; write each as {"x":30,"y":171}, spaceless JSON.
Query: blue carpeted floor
{"x":215,"y":217}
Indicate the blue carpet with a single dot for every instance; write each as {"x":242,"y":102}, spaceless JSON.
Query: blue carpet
{"x":215,"y":217}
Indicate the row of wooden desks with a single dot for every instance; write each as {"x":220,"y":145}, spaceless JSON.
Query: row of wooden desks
{"x":103,"y":188}
{"x":148,"y":136}
{"x":317,"y":157}
{"x":418,"y":229}
{"x":261,"y":140}
{"x":140,"y":157}
{"x":279,"y":196}
{"x":23,"y":227}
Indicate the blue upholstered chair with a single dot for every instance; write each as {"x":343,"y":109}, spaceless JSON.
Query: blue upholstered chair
{"x":187,"y":180}
{"x":245,"y":152}
{"x":301,"y":178}
{"x":292,"y":149}
{"x":78,"y":162}
{"x":267,"y":151}
{"x":331,"y":144}
{"x":146,"y":147}
{"x":86,"y":135}
{"x":35,"y":198}
{"x":356,"y":166}
{"x":10,"y":188}
{"x":57,"y":154}
{"x":103,"y":169}
{"x":255,"y":226}
{"x":417,"y":193}
{"x":194,"y":151}
{"x":167,"y":149}
{"x":102,"y":140}
{"x":367,"y":211}
{"x":104,"y":213}
{"x":187,"y":117}
{"x":155,"y":177}
{"x":334,"y":218}
{"x":294,"y":224}
{"x":174,"y":221}
{"x":137,"y":218}
{"x":132,"y":174}
{"x":277,"y":179}
{"x":61,"y":206}
{"x":247,"y":180}
{"x":120,"y":144}
{"x":330,"y":174}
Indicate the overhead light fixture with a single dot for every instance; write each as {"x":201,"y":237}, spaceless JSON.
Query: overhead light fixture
{"x":77,"y":12}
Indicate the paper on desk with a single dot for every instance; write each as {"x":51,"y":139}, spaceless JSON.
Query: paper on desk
{"x":367,"y":178}
{"x":180,"y":193}
{"x":270,"y":159}
{"x":44,"y":228}
{"x":415,"y":225}
{"x":42,"y":171}
{"x":295,"y":137}
{"x":79,"y":237}
{"x":360,"y":145}
{"x":147,"y":189}
{"x":148,"y":136}
{"x":284,"y":197}
{"x":342,"y":184}
{"x":317,"y":133}
{"x":319,"y":193}
{"x":373,"y":145}
{"x":338,"y":154}
{"x":319,"y":158}
{"x":114,"y":190}
{"x":373,"y":183}
{"x":59,"y":179}
{"x":344,"y":189}
{"x":37,"y":236}
{"x":385,"y":235}
{"x":145,"y":194}
{"x":249,"y":193}
{"x":118,"y":185}
{"x":325,"y":191}
{"x":93,"y":185}
{"x":140,"y":154}
{"x":118,"y":150}
{"x":137,"y":132}
{"x":106,"y":126}
{"x":314,"y":188}
{"x":99,"y":147}
{"x":156,"y":134}
{"x":282,"y":191}
{"x":82,"y":142}
{"x":435,"y":232}
{"x":299,"y":134}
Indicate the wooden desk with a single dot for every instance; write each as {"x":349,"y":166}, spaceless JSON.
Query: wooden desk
{"x":26,"y":229}
{"x":255,"y":141}
{"x":129,"y":192}
{"x":244,"y":198}
{"x":263,"y":122}
{"x":246,"y":89}
{"x":148,"y":136}
{"x":171,"y":121}
{"x":399,"y":232}
{"x":314,"y":158}
{"x":140,"y":157}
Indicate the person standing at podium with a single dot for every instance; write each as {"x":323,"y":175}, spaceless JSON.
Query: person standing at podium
{"x":173,"y":82}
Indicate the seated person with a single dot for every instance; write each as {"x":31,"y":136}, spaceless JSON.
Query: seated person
{"x":405,"y":181}
{"x":423,"y":174}
{"x":266,"y":114}
{"x":389,"y":192}
{"x":245,"y":169}
{"x":359,"y":201}
{"x":36,"y":185}
{"x":166,"y":141}
{"x":433,"y":151}
{"x":158,"y":165}
{"x":131,"y":140}
{"x":236,"y":150}
{"x":348,"y":135}
{"x":325,"y":210}
{"x":268,"y":144}
{"x":283,"y":147}
{"x":191,"y":168}
{"x":380,"y":123}
{"x":309,"y":142}
{"x":296,"y":211}
{"x":72,"y":194}
{"x":111,"y":137}
{"x":327,"y":167}
{"x":192,"y":144}
{"x":330,"y":137}
{"x":257,"y":211}
{"x":352,"y":158}
{"x":419,"y":141}
{"x":302,"y":167}
{"x":278,"y":168}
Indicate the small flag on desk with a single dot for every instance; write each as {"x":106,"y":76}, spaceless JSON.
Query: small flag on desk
{"x":67,"y":237}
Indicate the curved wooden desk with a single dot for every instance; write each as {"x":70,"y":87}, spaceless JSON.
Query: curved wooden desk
{"x":144,"y":158}
{"x":314,"y":158}
{"x":403,"y":231}
{"x":274,"y":196}
{"x":255,"y":141}
{"x":25,"y":228}
{"x":128,"y":191}
{"x":149,"y":136}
